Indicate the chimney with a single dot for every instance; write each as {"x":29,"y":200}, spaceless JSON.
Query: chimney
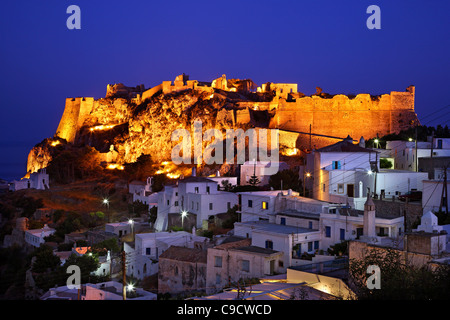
{"x":369,"y":218}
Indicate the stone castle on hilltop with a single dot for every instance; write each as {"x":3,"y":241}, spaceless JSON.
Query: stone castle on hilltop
{"x":304,"y":122}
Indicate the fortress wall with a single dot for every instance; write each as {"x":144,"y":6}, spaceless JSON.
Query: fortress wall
{"x":342,"y":116}
{"x":150,"y":92}
{"x":75,"y":112}
{"x":67,"y":127}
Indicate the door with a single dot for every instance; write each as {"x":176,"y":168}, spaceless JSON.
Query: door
{"x":351,"y":190}
{"x":272,"y":267}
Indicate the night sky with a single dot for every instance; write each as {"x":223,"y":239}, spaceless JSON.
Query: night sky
{"x":312,"y":43}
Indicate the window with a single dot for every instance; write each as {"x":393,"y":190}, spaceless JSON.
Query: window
{"x":196,"y":189}
{"x":323,"y":187}
{"x":176,"y":204}
{"x":316,"y":245}
{"x":328,"y":232}
{"x":245,"y":265}
{"x":283,"y":221}
{"x":228,"y":205}
{"x":218,"y":279}
{"x":310,"y":246}
{"x":218,"y":262}
{"x":269,"y":244}
{"x":176,"y":194}
{"x":210,"y":206}
{"x":309,"y":224}
{"x":168,"y":202}
{"x":342,"y":234}
{"x":207,"y":189}
{"x":250,"y":203}
{"x":197,"y":206}
{"x":192,"y":205}
{"x":265,"y":205}
{"x":336,"y":165}
{"x":340,"y":188}
{"x":148,"y":251}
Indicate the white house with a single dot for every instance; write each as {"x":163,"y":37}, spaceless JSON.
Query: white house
{"x":340,"y":225}
{"x":35,"y":237}
{"x":193,"y":195}
{"x":291,"y":240}
{"x":118,"y":228}
{"x":235,"y":260}
{"x":392,"y":182}
{"x":37,"y":180}
{"x":406,"y":156}
{"x":264,"y":205}
{"x":344,"y":172}
{"x":259,"y":169}
{"x":142,"y":259}
{"x":143,"y":192}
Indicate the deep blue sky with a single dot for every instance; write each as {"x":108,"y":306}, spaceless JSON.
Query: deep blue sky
{"x":312,"y":43}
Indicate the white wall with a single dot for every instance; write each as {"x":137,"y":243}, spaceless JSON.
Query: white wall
{"x":395,"y":182}
{"x":431,"y":195}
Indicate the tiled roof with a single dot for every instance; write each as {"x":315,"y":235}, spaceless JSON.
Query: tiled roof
{"x":236,"y":244}
{"x":345,"y":145}
{"x":184,"y":254}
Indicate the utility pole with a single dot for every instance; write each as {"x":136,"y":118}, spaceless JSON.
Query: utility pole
{"x":124,"y":277}
{"x":431,"y":153}
{"x":444,"y":193}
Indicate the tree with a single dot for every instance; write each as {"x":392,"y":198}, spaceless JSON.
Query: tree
{"x":141,"y":168}
{"x":289,"y":178}
{"x":398,"y":279}
{"x":45,"y":261}
{"x":153,"y":214}
{"x":385,"y":163}
{"x":87,"y":264}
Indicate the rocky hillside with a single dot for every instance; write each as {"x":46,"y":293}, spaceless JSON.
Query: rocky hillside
{"x":121,"y":130}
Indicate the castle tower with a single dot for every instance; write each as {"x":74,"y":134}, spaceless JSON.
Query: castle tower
{"x":369,"y":218}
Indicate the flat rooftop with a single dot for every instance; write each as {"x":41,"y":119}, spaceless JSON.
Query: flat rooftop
{"x":275,"y":228}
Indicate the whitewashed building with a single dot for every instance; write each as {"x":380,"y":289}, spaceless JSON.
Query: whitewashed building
{"x":344,"y":172}
{"x":35,"y":237}
{"x":290,"y":240}
{"x":118,"y":228}
{"x":264,"y":205}
{"x":193,"y":195}
{"x":143,"y":254}
{"x":37,"y":180}
{"x":406,"y":155}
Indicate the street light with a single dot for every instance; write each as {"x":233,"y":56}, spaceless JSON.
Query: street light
{"x":305,"y":175}
{"x":106,"y":202}
{"x":131,"y":222}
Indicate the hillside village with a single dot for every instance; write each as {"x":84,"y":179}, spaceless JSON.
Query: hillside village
{"x":241,"y":237}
